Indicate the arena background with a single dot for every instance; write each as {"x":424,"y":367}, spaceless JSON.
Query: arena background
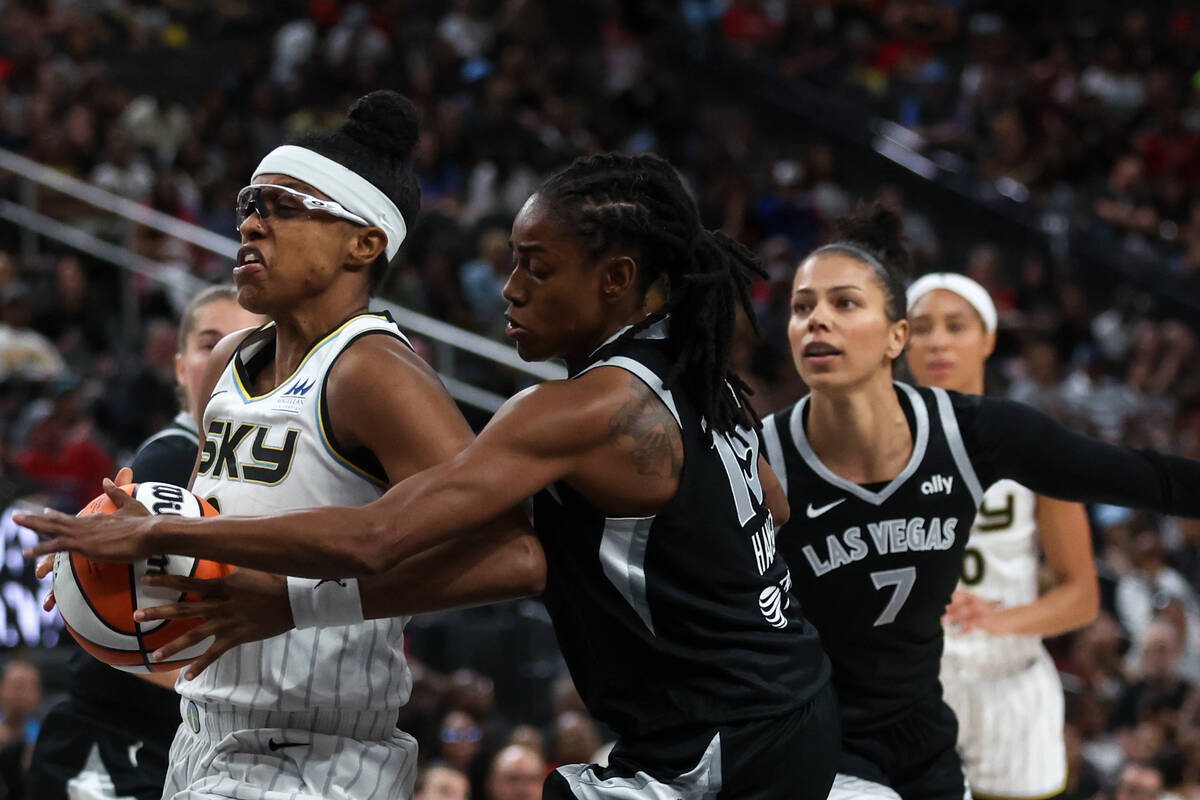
{"x":1049,"y":150}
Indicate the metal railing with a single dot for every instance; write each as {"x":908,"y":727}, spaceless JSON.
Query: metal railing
{"x":445,"y":339}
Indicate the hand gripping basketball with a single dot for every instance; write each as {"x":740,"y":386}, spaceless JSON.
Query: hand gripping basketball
{"x":244,"y":606}
{"x":123,"y":535}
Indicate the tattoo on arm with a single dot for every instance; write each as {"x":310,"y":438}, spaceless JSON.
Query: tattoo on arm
{"x":657,"y":446}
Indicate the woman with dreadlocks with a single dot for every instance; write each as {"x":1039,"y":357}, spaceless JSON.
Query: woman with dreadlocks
{"x":654,"y":508}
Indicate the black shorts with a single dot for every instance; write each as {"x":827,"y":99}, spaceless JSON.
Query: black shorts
{"x":136,"y":760}
{"x":793,"y":757}
{"x":915,"y":756}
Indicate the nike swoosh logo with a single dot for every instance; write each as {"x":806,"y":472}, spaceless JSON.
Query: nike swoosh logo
{"x":274,"y":745}
{"x":813,"y":513}
{"x":217,"y":392}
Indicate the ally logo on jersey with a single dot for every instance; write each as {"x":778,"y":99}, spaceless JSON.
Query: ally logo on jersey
{"x":249,"y":452}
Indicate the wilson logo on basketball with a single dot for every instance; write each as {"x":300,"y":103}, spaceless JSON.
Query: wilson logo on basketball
{"x":230,"y":452}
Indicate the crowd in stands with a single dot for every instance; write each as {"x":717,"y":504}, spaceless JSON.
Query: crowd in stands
{"x":1093,"y":109}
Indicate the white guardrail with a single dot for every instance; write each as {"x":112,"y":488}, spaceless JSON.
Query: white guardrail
{"x":446,"y":338}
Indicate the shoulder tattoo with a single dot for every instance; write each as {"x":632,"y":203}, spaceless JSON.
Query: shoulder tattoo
{"x":657,"y":448}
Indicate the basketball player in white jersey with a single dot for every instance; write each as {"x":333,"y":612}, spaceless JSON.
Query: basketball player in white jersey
{"x":326,"y":404}
{"x":996,"y":674}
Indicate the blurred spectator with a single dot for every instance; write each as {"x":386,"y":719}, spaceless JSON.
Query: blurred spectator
{"x":576,"y":739}
{"x":24,"y":353}
{"x":20,"y":693}
{"x":1138,"y":781}
{"x":516,"y":773}
{"x":440,"y":782}
{"x":1156,"y":687}
{"x":459,"y":740}
{"x":483,"y":280}
{"x":60,"y":454}
{"x":1151,"y":587}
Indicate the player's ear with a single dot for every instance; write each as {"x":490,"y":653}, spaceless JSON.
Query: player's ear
{"x":365,"y":246}
{"x":618,"y":276}
{"x":897,"y":338}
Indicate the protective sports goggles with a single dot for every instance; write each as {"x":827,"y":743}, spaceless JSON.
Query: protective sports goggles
{"x":270,"y":200}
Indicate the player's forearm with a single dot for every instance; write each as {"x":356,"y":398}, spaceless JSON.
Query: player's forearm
{"x":501,"y":561}
{"x":1064,"y":608}
{"x":317,"y":543}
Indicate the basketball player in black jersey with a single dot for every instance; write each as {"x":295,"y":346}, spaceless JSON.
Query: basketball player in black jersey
{"x":653,"y":505}
{"x":133,"y":748}
{"x":884,"y":481}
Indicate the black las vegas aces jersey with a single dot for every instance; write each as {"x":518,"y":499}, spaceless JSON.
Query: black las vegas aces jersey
{"x":874,"y":565}
{"x":686,"y":617}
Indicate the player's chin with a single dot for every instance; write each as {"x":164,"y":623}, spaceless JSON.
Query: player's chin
{"x":530,"y":349}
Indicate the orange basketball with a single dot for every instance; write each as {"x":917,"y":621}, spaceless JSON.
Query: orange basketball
{"x":97,"y":599}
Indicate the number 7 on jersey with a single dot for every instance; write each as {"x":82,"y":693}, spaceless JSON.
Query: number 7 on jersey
{"x":902,"y":579}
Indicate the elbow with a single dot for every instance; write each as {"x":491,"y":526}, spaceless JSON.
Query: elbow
{"x":782,"y":514}
{"x":375,"y":553}
{"x":532,"y":567}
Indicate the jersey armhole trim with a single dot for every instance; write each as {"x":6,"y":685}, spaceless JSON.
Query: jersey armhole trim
{"x":370,"y":469}
{"x":958,"y":448}
{"x":774,"y":445}
{"x":646,"y":375}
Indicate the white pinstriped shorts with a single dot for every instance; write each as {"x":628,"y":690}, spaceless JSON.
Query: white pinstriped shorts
{"x":1010,"y":729}
{"x":228,"y":753}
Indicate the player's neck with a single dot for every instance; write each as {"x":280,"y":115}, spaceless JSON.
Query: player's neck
{"x":299,"y":329}
{"x":861,"y":435}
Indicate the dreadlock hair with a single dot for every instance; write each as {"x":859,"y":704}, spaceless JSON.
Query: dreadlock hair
{"x":616,"y":201}
{"x":874,"y":234}
{"x":376,"y":141}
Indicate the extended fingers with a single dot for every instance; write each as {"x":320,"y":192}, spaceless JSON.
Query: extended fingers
{"x":183,"y":642}
{"x":124,"y":476}
{"x":44,"y":567}
{"x":119,"y":496}
{"x":48,"y":548}
{"x":201,"y":587}
{"x":173,"y":611}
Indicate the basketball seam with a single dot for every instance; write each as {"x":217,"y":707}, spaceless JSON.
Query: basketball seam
{"x":95,"y":611}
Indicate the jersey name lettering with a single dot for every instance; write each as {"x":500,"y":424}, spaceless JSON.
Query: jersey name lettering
{"x":889,"y":536}
{"x":267,"y":464}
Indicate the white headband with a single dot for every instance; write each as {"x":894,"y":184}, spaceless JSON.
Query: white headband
{"x":345,"y":186}
{"x":962,"y":286}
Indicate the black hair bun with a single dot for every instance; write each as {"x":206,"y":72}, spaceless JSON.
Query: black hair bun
{"x":879,"y":230}
{"x":384,"y":121}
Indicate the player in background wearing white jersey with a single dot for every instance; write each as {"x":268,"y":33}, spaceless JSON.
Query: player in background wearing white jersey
{"x":996,"y":674}
{"x":327,"y":403}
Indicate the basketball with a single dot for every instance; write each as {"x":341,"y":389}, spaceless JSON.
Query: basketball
{"x":97,"y":599}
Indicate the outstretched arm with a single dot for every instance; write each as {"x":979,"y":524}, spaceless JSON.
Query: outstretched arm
{"x":1012,"y":440}
{"x":536,"y":438}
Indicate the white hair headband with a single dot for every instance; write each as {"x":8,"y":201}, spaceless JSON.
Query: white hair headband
{"x":962,"y":286}
{"x":354,"y":192}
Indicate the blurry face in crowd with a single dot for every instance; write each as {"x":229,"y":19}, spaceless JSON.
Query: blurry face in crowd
{"x":517,"y":774}
{"x":839,"y":330}
{"x":948,"y":344}
{"x":555,"y":291}
{"x":460,"y":737}
{"x":442,"y":783}
{"x":294,"y":255}
{"x":1138,"y":783}
{"x":20,"y":690}
{"x":213,"y":322}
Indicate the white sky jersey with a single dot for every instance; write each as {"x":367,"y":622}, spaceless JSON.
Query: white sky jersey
{"x":1001,"y":565}
{"x":272,"y":453}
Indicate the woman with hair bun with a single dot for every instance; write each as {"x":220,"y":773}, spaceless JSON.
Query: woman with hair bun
{"x":884,"y":481}
{"x":326,"y":404}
